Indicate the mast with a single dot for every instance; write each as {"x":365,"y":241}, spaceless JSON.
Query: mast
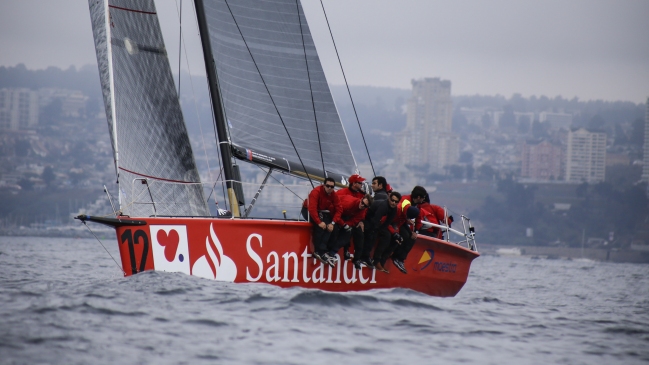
{"x":221,"y":130}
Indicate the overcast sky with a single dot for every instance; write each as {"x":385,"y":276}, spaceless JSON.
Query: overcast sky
{"x":592,"y":49}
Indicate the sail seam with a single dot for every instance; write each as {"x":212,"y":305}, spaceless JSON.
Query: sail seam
{"x":132,"y":10}
{"x":159,"y":178}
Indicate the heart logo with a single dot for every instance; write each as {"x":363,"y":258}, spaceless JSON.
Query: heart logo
{"x":170,"y":242}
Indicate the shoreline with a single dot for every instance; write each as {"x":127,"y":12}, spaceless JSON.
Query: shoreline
{"x":626,"y":255}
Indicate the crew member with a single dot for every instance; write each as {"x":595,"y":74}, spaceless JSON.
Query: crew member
{"x":378,"y":186}
{"x":322,"y":208}
{"x":434,"y":214}
{"x":353,"y":213}
{"x":355,"y":189}
{"x":404,"y":234}
{"x":379,"y":216}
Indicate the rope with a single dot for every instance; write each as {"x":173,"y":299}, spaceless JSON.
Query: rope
{"x":269,"y":94}
{"x":102,"y":245}
{"x":348,"y":91}
{"x":308,"y":74}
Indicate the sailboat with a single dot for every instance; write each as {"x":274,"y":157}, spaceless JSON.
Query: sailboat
{"x":272,"y":107}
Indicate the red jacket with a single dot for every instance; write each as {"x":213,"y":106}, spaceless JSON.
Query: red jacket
{"x":319,"y":200}
{"x":349,"y":192}
{"x":351,"y":214}
{"x":401,"y":218}
{"x":434,"y":214}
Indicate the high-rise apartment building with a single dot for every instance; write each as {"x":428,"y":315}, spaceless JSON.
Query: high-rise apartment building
{"x":18,"y":109}
{"x":645,"y":165}
{"x":427,"y":140}
{"x":541,"y":160}
{"x":585,"y":156}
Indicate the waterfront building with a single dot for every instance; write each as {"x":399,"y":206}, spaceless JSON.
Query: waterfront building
{"x":645,"y":165}
{"x":540,"y":160}
{"x":427,"y":142}
{"x":18,"y":109}
{"x":585,"y":156}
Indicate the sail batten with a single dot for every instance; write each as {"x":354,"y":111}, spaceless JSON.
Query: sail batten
{"x":269,"y":87}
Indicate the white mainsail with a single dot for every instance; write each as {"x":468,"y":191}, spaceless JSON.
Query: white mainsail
{"x":145,"y":121}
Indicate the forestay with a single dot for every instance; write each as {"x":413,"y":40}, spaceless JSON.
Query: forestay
{"x":267,"y":85}
{"x":145,"y":121}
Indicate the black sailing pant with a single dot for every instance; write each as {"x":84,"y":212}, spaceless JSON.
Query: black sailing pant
{"x":400,"y":252}
{"x":382,"y":251}
{"x":320,"y":236}
{"x":359,"y":241}
{"x":369,"y":239}
{"x":341,"y":238}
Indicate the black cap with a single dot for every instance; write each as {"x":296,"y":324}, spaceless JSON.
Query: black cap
{"x":412,"y":212}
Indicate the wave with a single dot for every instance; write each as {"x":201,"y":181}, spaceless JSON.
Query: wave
{"x":206,"y":322}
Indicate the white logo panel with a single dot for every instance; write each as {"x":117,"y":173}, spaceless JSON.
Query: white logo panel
{"x":226,"y":269}
{"x":170,"y":248}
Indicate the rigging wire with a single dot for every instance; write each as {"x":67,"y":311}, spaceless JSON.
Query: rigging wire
{"x":180,"y":42}
{"x":286,"y":187}
{"x":213,"y":186}
{"x":348,"y":91}
{"x":200,"y":127}
{"x":269,"y":94}
{"x":102,"y":245}
{"x":308,"y":74}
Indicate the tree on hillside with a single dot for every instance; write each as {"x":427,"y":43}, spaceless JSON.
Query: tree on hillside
{"x":22,"y":148}
{"x":51,"y":113}
{"x":507,"y":121}
{"x":620,"y":137}
{"x":524,"y":125}
{"x":540,"y":130}
{"x":637,"y":134}
{"x":486,"y":173}
{"x":596,"y":122}
{"x":26,"y":184}
{"x":48,"y":175}
{"x":456,"y":171}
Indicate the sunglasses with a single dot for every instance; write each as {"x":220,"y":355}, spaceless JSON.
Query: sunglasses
{"x":394,"y":201}
{"x":329,"y":186}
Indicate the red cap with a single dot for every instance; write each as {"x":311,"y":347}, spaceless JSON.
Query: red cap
{"x":388,"y":188}
{"x":356,"y":178}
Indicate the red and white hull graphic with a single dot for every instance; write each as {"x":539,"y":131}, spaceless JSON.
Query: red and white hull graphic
{"x":279,"y":253}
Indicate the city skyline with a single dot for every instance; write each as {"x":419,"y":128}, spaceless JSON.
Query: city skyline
{"x":590,"y":50}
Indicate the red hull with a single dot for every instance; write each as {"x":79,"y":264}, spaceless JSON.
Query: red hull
{"x":278,"y":253}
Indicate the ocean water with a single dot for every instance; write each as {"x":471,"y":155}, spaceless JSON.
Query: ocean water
{"x":64,"y":301}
